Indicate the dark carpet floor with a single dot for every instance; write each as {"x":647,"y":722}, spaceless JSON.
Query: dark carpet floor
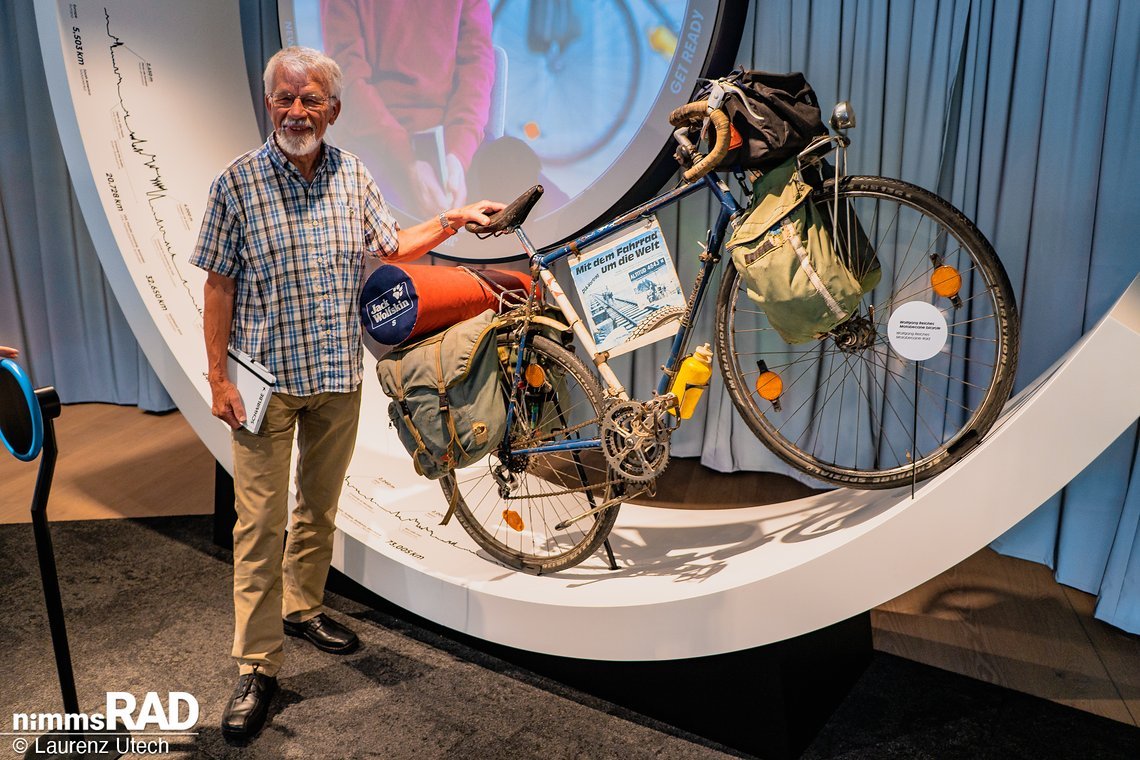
{"x":148,"y":609}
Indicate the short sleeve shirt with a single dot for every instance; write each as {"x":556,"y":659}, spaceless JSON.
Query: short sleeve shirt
{"x":296,"y":251}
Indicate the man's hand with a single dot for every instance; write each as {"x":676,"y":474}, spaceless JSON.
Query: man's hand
{"x":474,"y":212}
{"x":226,"y":403}
{"x":7,"y":352}
{"x":217,"y":319}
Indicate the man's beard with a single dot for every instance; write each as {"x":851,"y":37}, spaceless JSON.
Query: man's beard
{"x":300,"y":145}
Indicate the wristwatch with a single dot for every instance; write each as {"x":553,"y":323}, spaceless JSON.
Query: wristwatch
{"x":444,"y":224}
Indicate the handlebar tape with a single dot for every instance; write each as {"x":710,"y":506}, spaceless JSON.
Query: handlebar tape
{"x":693,"y":114}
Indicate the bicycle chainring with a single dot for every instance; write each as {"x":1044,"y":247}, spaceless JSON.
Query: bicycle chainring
{"x":635,"y":440}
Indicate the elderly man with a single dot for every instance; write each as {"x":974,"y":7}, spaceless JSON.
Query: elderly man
{"x":283,"y":239}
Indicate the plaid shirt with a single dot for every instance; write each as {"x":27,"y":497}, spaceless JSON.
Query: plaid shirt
{"x":296,"y":250}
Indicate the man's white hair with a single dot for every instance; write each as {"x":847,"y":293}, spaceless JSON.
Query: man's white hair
{"x":306,"y":62}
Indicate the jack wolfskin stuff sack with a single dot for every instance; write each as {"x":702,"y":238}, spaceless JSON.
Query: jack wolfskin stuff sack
{"x":784,"y":253}
{"x":779,"y":118}
{"x":447,"y":405}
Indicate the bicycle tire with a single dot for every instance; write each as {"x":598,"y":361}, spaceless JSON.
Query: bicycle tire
{"x":573,"y":399}
{"x":661,"y":317}
{"x":869,"y":418}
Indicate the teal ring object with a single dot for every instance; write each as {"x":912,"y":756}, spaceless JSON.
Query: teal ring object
{"x":37,"y":437}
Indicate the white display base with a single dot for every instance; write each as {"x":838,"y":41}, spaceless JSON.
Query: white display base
{"x":702,"y":582}
{"x":127,"y":81}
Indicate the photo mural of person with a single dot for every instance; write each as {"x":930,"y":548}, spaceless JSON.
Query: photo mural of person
{"x":430,"y":79}
{"x":469,"y":99}
{"x":420,"y":75}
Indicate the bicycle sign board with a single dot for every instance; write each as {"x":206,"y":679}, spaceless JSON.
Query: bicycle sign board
{"x":626,"y":283}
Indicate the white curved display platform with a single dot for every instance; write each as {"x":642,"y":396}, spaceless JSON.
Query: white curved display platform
{"x":696,"y":583}
{"x":128,"y":87}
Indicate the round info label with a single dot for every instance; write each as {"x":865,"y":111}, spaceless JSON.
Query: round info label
{"x":917,"y":330}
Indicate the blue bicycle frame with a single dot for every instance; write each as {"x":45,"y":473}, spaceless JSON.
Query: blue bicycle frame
{"x":542,"y":261}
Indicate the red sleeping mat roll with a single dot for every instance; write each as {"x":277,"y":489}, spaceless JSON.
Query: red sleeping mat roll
{"x":402,"y":302}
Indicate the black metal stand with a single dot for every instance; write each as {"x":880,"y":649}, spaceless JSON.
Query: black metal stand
{"x":610,"y":555}
{"x":46,"y":554}
{"x":59,"y":744}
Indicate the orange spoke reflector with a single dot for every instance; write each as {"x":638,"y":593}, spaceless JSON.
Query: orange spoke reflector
{"x":946,"y":281}
{"x":513,"y":519}
{"x":535,"y":375}
{"x":531,"y":130}
{"x":769,"y":385}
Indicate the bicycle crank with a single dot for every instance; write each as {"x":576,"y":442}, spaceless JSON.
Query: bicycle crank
{"x":595,"y":510}
{"x":635,"y":440}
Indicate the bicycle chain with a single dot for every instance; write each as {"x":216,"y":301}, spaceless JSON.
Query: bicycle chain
{"x":540,"y":437}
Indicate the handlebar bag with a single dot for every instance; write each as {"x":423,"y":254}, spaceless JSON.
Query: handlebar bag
{"x":784,"y":118}
{"x":783,"y":251}
{"x":447,"y":405}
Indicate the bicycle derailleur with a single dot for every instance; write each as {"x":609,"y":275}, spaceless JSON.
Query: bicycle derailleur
{"x":635,"y":439}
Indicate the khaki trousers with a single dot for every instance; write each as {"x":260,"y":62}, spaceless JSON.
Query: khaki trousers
{"x":267,"y":585}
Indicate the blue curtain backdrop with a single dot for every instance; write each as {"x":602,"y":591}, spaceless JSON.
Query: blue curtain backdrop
{"x":1024,"y":114}
{"x":55,"y":304}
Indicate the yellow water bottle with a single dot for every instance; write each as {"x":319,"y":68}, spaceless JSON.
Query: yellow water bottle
{"x":691,"y":380}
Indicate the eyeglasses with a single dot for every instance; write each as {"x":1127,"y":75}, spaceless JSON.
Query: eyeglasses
{"x":308,"y":102}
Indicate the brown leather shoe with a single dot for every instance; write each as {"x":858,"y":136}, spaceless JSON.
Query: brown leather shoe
{"x":245,"y":714}
{"x":325,"y":634}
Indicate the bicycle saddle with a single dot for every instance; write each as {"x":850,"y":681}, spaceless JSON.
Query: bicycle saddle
{"x":510,"y":217}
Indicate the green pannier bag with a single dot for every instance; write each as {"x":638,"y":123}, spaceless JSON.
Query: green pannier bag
{"x":447,"y":405}
{"x":783,"y":251}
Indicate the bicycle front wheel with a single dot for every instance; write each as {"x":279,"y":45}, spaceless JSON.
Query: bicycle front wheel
{"x":849,"y":408}
{"x":532,"y":511}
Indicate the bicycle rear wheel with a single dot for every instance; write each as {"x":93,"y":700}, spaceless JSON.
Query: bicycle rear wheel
{"x":853,"y":411}
{"x":515,"y":505}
